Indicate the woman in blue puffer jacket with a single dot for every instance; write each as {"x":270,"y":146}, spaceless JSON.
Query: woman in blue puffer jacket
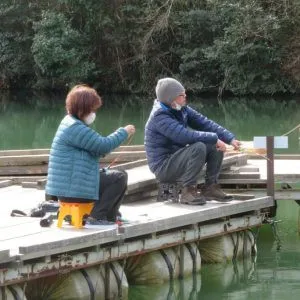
{"x":73,"y":171}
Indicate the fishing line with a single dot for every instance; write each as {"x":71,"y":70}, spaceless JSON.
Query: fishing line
{"x":245,"y":150}
{"x":292,"y":130}
{"x":120,"y":155}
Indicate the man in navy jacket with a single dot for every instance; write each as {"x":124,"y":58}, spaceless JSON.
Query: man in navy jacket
{"x":179,"y":141}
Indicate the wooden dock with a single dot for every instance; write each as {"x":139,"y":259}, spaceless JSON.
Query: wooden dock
{"x":153,"y":225}
{"x":28,"y":251}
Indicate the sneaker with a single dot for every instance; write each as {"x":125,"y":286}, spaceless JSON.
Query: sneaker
{"x":189,"y":195}
{"x":92,"y":221}
{"x":214,"y":192}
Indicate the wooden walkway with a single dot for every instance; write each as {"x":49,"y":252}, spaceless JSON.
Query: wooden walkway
{"x":22,"y":240}
{"x":152,"y":225}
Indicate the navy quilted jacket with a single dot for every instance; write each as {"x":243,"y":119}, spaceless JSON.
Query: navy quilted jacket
{"x":73,"y":169}
{"x":167,"y":130}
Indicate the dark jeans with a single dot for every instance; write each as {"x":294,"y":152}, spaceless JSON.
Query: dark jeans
{"x":113,"y":185}
{"x":184,"y":166}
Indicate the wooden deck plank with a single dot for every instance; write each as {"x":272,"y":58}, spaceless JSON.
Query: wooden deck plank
{"x":19,"y":179}
{"x":42,"y":159}
{"x":4,"y":255}
{"x":15,"y":197}
{"x":15,"y":228}
{"x":281,"y":195}
{"x":246,"y":168}
{"x":160,"y":217}
{"x":45,"y":151}
{"x":243,"y":181}
{"x":240,"y":175}
{"x":277,"y":157}
{"x":5,"y":183}
{"x":283,"y":169}
{"x":24,"y":236}
{"x":146,"y":218}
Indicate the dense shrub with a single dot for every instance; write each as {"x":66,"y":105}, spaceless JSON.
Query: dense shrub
{"x":236,"y":46}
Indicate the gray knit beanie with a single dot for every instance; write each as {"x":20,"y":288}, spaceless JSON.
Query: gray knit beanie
{"x":167,"y":89}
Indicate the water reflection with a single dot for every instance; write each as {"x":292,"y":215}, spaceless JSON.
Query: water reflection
{"x":214,"y":281}
{"x":189,"y":288}
{"x":29,"y":120}
{"x":241,"y":280}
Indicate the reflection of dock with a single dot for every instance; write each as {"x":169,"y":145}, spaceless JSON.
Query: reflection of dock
{"x":28,"y":251}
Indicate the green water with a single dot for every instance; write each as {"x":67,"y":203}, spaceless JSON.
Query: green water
{"x":30,"y":121}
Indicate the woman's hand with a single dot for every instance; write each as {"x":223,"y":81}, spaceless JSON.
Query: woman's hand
{"x":130,"y":129}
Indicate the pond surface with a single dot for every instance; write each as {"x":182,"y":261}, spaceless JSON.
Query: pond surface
{"x":30,"y":121}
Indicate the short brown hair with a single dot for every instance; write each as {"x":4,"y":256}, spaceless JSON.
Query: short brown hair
{"x":82,"y":100}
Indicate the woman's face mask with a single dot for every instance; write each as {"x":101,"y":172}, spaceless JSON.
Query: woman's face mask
{"x":90,"y":118}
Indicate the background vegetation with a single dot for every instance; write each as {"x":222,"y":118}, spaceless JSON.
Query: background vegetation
{"x":236,"y":46}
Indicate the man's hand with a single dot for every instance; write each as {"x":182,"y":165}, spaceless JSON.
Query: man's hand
{"x":236,"y":144}
{"x":221,"y":146}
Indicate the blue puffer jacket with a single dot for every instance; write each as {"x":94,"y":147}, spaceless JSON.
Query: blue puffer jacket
{"x":73,"y":169}
{"x":167,"y":130}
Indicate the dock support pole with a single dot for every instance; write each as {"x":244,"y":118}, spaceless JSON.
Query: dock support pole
{"x":107,"y":280}
{"x":270,"y":173}
{"x":270,"y":166}
{"x":181,"y":261}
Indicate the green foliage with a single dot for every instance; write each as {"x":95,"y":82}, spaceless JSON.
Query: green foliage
{"x":197,"y":32}
{"x":59,"y":51}
{"x":15,"y":41}
{"x":236,"y":46}
{"x":247,"y":53}
{"x":240,"y":54}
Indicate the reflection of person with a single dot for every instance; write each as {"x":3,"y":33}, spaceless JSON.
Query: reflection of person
{"x":73,"y":172}
{"x":179,"y":141}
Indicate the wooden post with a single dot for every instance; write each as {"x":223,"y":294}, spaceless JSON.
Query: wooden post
{"x":299,"y":137}
{"x":270,"y":175}
{"x":270,"y":166}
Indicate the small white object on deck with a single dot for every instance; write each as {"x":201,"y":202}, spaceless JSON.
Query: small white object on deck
{"x":280,"y":142}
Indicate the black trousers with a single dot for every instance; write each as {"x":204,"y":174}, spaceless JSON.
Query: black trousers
{"x":113,"y":185}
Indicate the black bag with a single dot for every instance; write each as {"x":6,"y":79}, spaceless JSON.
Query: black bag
{"x":50,"y":206}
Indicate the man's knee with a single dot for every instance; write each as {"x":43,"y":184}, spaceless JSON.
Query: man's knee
{"x":198,"y":149}
{"x":213,"y":151}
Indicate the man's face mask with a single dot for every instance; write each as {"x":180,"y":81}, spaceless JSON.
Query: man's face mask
{"x":177,"y":106}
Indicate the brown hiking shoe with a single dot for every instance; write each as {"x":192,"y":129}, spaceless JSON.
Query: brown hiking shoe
{"x":189,"y":195}
{"x":214,"y":192}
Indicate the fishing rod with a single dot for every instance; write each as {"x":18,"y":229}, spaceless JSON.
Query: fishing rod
{"x":120,"y":155}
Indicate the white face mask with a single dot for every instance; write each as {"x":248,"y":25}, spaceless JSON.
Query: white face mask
{"x":90,"y":118}
{"x":177,"y":106}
